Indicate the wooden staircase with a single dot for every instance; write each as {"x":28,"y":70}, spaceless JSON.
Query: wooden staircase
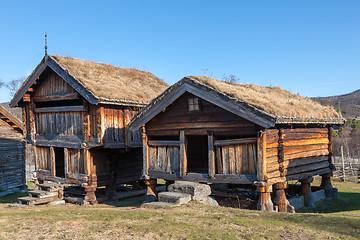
{"x":43,"y":193}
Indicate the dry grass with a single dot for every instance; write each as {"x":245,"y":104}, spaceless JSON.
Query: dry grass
{"x":333,"y":219}
{"x":110,"y":82}
{"x":273,"y":100}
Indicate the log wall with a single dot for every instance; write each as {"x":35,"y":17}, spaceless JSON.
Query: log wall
{"x":12,"y":157}
{"x":294,"y":153}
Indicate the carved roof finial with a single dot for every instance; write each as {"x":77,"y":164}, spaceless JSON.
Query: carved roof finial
{"x":46,"y":44}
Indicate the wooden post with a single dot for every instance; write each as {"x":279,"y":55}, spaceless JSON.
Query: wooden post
{"x":330,"y":144}
{"x":87,"y":123}
{"x":146,"y":162}
{"x":281,"y":200}
{"x":211,"y":155}
{"x":99,"y":124}
{"x":52,"y":161}
{"x":66,"y":161}
{"x":151,"y":194}
{"x":343,"y":163}
{"x":88,"y":162}
{"x":305,"y":191}
{"x":330,"y":191}
{"x":90,"y":196}
{"x":261,"y":157}
{"x":183,"y":156}
{"x":264,"y":203}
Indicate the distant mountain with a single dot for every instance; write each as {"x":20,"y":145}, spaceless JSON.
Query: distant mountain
{"x":347,"y":104}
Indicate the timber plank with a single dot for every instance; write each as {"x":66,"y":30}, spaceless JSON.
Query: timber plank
{"x":225,"y":158}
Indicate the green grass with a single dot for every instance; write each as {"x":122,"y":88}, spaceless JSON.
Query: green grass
{"x":331,"y":219}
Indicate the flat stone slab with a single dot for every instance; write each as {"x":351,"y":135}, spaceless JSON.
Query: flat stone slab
{"x":174,"y":197}
{"x":297,"y":202}
{"x":208,"y":201}
{"x":197,"y":191}
{"x":57,"y":202}
{"x":318,"y":195}
{"x":18,"y":205}
{"x":160,"y":204}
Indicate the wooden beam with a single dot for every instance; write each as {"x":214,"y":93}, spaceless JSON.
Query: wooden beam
{"x":69,"y":96}
{"x":59,"y":109}
{"x":234,"y":141}
{"x":160,"y":143}
{"x":52,"y":161}
{"x":183,"y":156}
{"x":211,"y":155}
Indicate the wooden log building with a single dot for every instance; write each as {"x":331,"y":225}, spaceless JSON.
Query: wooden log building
{"x":12,"y":152}
{"x":75,"y":114}
{"x":206,"y":130}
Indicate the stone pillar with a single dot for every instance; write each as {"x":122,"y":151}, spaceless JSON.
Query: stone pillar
{"x":330,"y":191}
{"x":151,"y":194}
{"x":305,"y":191}
{"x":265,"y":203}
{"x":281,"y":200}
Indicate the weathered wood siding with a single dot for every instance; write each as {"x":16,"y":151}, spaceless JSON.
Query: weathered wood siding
{"x":60,"y":123}
{"x":236,"y":159}
{"x":75,"y":161}
{"x":43,"y":158}
{"x":114,"y":122}
{"x":53,"y":85}
{"x":12,"y":157}
{"x":164,"y":158}
{"x":176,"y":117}
{"x":292,"y":152}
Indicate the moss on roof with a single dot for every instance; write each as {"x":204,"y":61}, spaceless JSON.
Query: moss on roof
{"x":272,"y":100}
{"x":113,"y":83}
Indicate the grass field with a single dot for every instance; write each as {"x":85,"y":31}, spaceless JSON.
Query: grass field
{"x":332,"y":219}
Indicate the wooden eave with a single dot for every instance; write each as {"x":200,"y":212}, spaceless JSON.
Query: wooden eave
{"x":11,"y":120}
{"x":323,"y":121}
{"x":47,"y":61}
{"x":217,"y":98}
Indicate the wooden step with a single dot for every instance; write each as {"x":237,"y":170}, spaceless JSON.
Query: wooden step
{"x":35,"y":200}
{"x":42,"y":194}
{"x":52,"y":187}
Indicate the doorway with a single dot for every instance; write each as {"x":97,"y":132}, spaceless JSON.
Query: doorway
{"x":197,"y":154}
{"x":59,"y":162}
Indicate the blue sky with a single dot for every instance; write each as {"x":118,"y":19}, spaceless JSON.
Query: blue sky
{"x":306,"y":47}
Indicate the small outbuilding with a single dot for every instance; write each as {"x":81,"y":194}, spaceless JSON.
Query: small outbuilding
{"x":206,"y":130}
{"x":75,"y":115}
{"x":12,"y":152}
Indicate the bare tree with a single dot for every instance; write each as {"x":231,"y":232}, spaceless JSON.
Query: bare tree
{"x":14,"y":85}
{"x":231,"y":78}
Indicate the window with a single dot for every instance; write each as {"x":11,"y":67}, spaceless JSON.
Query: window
{"x":194,"y":104}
